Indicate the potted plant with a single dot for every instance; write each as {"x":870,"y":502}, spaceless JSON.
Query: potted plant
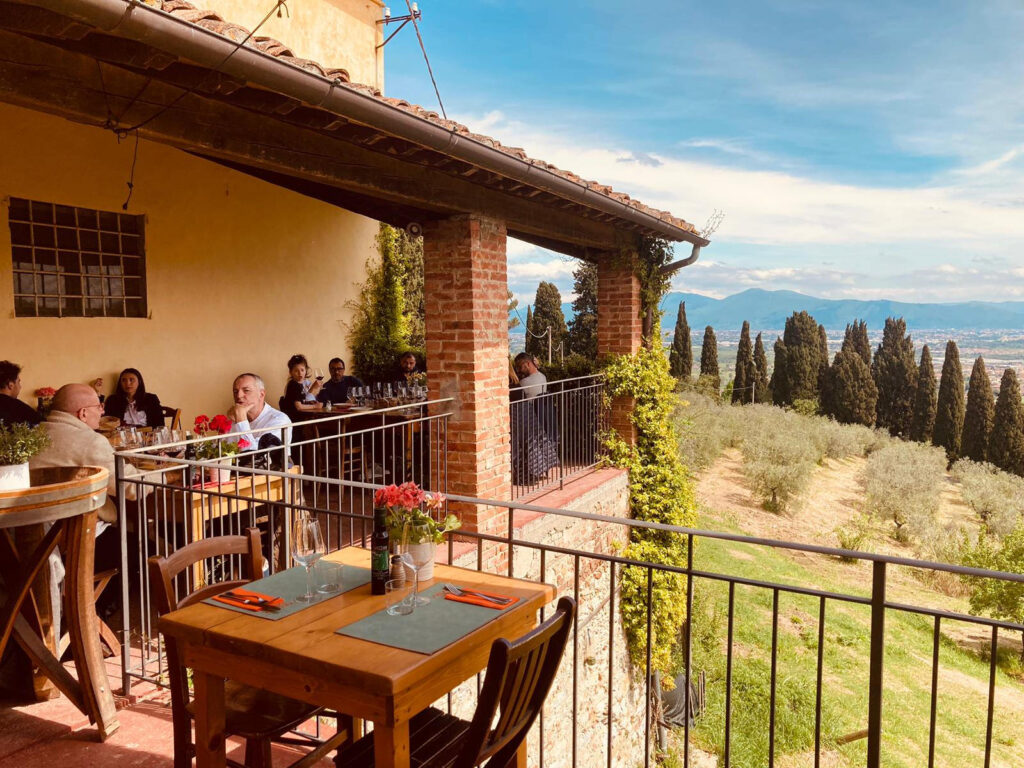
{"x":217,"y":450}
{"x":18,"y":444}
{"x":413,"y":518}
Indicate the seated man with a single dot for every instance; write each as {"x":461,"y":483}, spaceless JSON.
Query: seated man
{"x":251,"y":411}
{"x":531,"y":380}
{"x":12,"y":410}
{"x":337,"y":389}
{"x":408,"y":367}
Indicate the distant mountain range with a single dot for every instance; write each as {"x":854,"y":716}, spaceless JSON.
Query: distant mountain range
{"x":768,"y":310}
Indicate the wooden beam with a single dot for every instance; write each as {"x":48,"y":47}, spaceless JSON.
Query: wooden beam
{"x":51,"y":79}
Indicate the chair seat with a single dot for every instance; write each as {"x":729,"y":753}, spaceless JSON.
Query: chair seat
{"x":435,"y":740}
{"x":253,"y":713}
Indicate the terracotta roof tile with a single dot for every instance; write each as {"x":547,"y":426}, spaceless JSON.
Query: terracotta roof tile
{"x":212,"y":21}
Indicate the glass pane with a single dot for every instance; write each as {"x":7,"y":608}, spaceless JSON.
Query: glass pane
{"x":69,"y":262}
{"x":71,"y":307}
{"x":108,"y":221}
{"x":65,"y":215}
{"x":129,"y":224}
{"x":94,"y":308}
{"x":21,"y":234}
{"x":21,"y":258}
{"x":132,"y":266}
{"x":132,"y":286}
{"x":90,"y":264}
{"x":71,"y":285}
{"x":42,"y":212}
{"x":94,"y":286}
{"x":24,"y":306}
{"x":115,"y":307}
{"x":130,"y":244}
{"x":112,"y":265}
{"x":24,"y":282}
{"x":46,"y":261}
{"x":89,"y":241}
{"x":67,"y":238}
{"x":43,"y":236}
{"x":87,"y":219}
{"x":19,"y":212}
{"x":109,"y":243}
{"x":135,"y":308}
{"x":115,"y":287}
{"x":50,"y":283}
{"x":48,"y":307}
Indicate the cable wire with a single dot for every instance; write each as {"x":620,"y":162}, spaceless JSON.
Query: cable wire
{"x":423,"y":48}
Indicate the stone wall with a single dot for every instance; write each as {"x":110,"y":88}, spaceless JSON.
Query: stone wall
{"x":595,"y":659}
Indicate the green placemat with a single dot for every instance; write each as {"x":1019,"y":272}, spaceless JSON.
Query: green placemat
{"x":291,"y":583}
{"x":427,"y":629}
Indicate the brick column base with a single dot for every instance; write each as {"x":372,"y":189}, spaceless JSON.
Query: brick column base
{"x":466,"y":293}
{"x":619,"y":330}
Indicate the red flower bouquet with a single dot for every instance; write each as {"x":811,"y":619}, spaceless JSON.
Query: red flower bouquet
{"x":215,"y":449}
{"x":408,"y":504}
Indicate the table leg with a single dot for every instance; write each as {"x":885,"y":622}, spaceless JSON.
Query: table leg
{"x":209,"y":699}
{"x":391,"y":745}
{"x":83,"y":626}
{"x":520,"y":761}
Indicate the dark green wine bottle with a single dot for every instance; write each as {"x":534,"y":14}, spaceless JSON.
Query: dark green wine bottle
{"x":380,"y":560}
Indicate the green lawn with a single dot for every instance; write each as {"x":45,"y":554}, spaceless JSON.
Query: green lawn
{"x":963,"y":677}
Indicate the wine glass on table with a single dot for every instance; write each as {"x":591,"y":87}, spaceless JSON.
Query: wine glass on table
{"x":417,"y":550}
{"x":307,"y":548}
{"x":319,"y":373}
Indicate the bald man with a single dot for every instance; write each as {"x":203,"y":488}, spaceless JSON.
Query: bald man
{"x":72,"y":424}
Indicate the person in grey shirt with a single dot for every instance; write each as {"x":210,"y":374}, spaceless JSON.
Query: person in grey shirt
{"x":531,"y":380}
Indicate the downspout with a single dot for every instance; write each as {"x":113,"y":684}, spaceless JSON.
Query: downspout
{"x":677,"y":265}
{"x":134,"y":20}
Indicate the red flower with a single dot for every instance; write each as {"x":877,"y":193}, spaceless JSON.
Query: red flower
{"x":243,"y":444}
{"x":220,"y":424}
{"x":46,"y":392}
{"x":202,"y":422}
{"x":435,"y":501}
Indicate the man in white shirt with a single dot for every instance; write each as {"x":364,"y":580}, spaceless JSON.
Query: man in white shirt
{"x":251,"y":411}
{"x":532,"y":381}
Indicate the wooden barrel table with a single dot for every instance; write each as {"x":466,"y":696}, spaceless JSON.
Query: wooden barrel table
{"x":66,"y":499}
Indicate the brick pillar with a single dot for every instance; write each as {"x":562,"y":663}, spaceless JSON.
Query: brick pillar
{"x":465,"y":287}
{"x":619,"y":329}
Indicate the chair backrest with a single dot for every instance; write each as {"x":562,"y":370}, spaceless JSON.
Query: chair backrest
{"x":164,"y":571}
{"x":173,"y":414}
{"x":519,"y":676}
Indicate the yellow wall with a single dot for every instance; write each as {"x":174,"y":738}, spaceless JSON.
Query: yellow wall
{"x":241,"y":274}
{"x":333,"y":33}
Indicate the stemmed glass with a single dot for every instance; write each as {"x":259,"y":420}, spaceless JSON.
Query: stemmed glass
{"x":416,"y":552}
{"x":307,"y":548}
{"x":319,"y":372}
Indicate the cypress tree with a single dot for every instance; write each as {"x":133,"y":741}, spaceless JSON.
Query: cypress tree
{"x":949,"y":419}
{"x":1006,"y":445}
{"x":709,"y":358}
{"x":779,"y":381}
{"x":745,"y":380}
{"x":856,"y":339}
{"x":823,"y":357}
{"x":802,"y":341}
{"x":582,"y":338}
{"x":762,"y":392}
{"x":680,"y":357}
{"x":895,"y":374}
{"x":853,"y":394}
{"x":922,"y":424}
{"x":531,"y":341}
{"x":979,"y":414}
{"x":547,"y":313}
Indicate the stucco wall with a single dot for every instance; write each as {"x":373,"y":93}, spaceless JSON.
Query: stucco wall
{"x":241,"y":274}
{"x":334,"y":33}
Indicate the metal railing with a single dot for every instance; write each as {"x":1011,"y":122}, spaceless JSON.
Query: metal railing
{"x":589,"y":725}
{"x":556,"y":434}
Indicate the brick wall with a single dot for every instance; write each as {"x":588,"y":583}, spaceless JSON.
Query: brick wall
{"x":465,"y":288}
{"x":619,"y":330}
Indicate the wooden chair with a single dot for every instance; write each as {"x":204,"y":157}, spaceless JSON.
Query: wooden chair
{"x":255,"y":715}
{"x":519,"y":676}
{"x":172,"y":414}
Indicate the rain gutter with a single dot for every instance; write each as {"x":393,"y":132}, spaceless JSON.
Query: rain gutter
{"x":137,"y":21}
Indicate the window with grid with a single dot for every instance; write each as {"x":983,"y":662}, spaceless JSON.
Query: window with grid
{"x":76,"y":262}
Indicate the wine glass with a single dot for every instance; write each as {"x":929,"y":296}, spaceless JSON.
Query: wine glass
{"x":307,"y":548}
{"x":319,"y":373}
{"x":417,"y":550}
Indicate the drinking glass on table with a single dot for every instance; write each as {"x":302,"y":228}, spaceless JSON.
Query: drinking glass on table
{"x":319,"y":373}
{"x":417,"y":549}
{"x":307,"y":548}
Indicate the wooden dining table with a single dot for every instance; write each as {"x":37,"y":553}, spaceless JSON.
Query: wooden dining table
{"x":301,"y":656}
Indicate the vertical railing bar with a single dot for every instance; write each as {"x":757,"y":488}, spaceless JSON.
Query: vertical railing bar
{"x":611,"y":655}
{"x":818,"y":691}
{"x":774,"y":678}
{"x":993,"y":661}
{"x":511,"y":532}
{"x":689,"y":650}
{"x":648,"y":698}
{"x":728,"y":675}
{"x":575,"y":655}
{"x":877,"y":666}
{"x":543,"y":575}
{"x":936,"y":634}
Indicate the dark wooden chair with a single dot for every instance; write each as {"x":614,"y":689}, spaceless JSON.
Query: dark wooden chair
{"x":172,"y":416}
{"x":260,"y":717}
{"x":519,"y":676}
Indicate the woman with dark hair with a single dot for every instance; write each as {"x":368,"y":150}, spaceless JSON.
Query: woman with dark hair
{"x":132,"y":404}
{"x":300,"y":393}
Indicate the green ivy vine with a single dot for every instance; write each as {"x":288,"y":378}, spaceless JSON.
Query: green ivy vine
{"x":660,"y":492}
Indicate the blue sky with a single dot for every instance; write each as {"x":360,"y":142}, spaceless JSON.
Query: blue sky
{"x":857,"y":149}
